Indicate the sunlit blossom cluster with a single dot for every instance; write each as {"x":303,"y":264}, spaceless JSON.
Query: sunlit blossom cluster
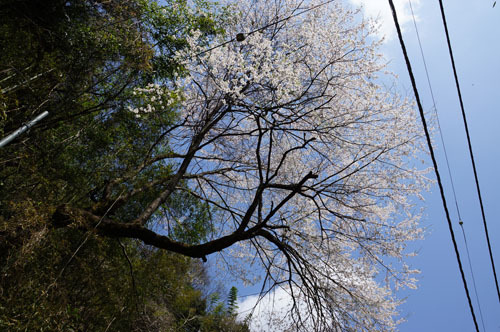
{"x":151,"y":98}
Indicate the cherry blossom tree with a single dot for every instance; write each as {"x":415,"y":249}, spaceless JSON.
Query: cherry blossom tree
{"x":304,"y":161}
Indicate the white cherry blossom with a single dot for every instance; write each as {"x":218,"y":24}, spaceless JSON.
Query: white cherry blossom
{"x":308,"y":162}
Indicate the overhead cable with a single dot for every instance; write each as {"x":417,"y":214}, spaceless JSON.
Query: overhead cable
{"x":470,"y":146}
{"x":435,"y":111}
{"x":472,"y":273}
{"x":447,"y":163}
{"x":434,"y":162}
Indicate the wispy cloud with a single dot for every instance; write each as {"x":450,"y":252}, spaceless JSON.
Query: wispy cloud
{"x":270,"y":314}
{"x":380,"y":9}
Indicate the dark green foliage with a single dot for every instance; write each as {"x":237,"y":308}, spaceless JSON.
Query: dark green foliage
{"x":118,"y":285}
{"x":67,"y":57}
{"x":81,"y":60}
{"x":232,"y":300}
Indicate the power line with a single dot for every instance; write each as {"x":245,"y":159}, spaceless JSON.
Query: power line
{"x":241,"y":36}
{"x":447,"y":164}
{"x":470,"y":145}
{"x":435,"y":111}
{"x":434,"y":162}
{"x":472,"y":273}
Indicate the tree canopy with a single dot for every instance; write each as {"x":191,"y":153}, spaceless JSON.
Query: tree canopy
{"x":80,"y":61}
{"x":255,"y":130}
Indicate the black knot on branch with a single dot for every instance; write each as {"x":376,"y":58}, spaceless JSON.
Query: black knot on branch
{"x":240,"y":37}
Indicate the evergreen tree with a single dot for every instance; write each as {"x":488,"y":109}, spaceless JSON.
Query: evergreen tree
{"x":232,"y":301}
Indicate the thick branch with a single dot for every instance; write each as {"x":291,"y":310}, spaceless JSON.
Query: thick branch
{"x":109,"y":228}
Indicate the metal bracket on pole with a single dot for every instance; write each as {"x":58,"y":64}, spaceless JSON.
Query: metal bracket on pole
{"x":22,"y":129}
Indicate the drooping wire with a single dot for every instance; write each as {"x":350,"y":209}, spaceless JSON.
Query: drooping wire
{"x":434,"y":162}
{"x":470,"y":145}
{"x":435,"y":110}
{"x":472,"y":273}
{"x":243,"y":36}
{"x":447,"y":162}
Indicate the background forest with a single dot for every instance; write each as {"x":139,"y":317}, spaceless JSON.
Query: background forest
{"x":80,"y":60}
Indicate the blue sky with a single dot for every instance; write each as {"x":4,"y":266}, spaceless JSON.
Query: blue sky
{"x":440,"y":303}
